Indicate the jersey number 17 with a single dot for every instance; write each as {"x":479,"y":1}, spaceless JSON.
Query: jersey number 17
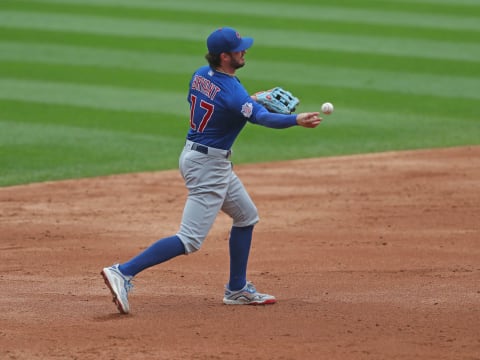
{"x":206,"y":116}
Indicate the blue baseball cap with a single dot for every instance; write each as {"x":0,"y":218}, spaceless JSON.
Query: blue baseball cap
{"x":226,"y":39}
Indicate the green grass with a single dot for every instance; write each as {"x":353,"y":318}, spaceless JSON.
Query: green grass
{"x":97,"y":87}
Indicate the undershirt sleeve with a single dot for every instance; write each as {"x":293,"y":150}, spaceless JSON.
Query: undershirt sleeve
{"x":272,"y":120}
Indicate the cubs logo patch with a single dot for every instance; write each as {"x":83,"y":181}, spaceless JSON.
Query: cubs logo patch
{"x":247,"y":109}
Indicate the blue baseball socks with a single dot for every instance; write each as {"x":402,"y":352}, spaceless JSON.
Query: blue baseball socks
{"x":240,"y":241}
{"x":160,"y":251}
{"x":170,"y":247}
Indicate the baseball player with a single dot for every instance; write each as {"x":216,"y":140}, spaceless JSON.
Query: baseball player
{"x":219,"y":109}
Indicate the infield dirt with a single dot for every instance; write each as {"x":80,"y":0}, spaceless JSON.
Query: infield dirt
{"x":370,"y":257}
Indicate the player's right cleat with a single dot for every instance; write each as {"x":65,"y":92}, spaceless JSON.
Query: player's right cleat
{"x":247,"y":296}
{"x":119,"y":286}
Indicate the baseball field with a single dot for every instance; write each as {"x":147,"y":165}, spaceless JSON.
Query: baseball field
{"x":369,"y":232}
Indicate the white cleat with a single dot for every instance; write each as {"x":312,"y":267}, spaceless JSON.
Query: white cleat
{"x":119,"y":286}
{"x":247,"y":296}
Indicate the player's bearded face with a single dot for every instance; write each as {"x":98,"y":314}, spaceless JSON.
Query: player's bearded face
{"x":237,"y":59}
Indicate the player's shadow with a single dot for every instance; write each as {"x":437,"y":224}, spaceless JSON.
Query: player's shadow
{"x":110,"y":317}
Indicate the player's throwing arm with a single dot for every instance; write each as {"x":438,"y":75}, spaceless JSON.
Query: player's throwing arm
{"x":280,"y":101}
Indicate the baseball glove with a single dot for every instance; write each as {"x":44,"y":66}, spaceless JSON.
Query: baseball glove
{"x":277,"y":100}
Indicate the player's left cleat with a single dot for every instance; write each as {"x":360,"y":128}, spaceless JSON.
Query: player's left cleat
{"x":247,"y":296}
{"x":119,"y":286}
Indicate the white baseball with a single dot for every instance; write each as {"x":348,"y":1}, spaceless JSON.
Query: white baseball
{"x":327,"y":108}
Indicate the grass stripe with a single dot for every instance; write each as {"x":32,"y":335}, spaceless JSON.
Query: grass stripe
{"x":163,"y":77}
{"x":333,"y":20}
{"x":389,"y":4}
{"x":285,"y":38}
{"x":466,"y":7}
{"x":349,"y":77}
{"x":94,"y":96}
{"x":92,"y":49}
{"x":452,"y":3}
{"x":101,"y":57}
{"x":406,"y":15}
{"x":427,"y":106}
{"x":135,"y":122}
{"x":368,"y":61}
{"x":167,"y":102}
{"x":39,"y":38}
{"x":75,"y":153}
{"x":89,"y":75}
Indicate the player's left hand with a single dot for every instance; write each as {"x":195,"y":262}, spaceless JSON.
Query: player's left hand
{"x":277,"y":100}
{"x":309,"y":120}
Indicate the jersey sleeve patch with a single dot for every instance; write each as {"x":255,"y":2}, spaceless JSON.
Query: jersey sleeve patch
{"x":247,"y":109}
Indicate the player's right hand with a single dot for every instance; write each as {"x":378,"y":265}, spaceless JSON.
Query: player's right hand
{"x":309,"y":120}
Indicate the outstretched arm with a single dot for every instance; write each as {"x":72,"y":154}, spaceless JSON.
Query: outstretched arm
{"x":281,"y":121}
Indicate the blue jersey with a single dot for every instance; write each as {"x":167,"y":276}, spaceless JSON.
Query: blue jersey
{"x":220,"y":107}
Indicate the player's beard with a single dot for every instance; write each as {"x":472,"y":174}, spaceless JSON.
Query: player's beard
{"x":235,"y":64}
